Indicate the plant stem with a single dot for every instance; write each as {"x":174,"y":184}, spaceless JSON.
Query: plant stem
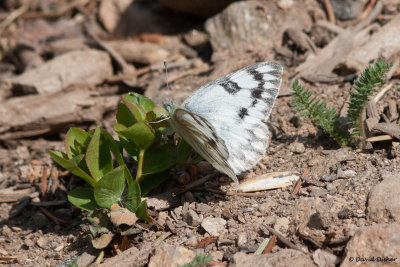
{"x":100,"y":257}
{"x":140,"y":166}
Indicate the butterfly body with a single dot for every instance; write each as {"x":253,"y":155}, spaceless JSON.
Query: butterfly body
{"x":225,"y":120}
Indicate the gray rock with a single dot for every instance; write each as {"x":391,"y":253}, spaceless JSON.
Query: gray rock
{"x":297,"y":148}
{"x":346,"y":173}
{"x":214,"y":226}
{"x":282,"y":224}
{"x":384,"y":201}
{"x":169,"y":255}
{"x":203,"y":208}
{"x":382,"y":240}
{"x":42,"y":242}
{"x":347,"y":9}
{"x":325,"y":258}
{"x":87,"y":66}
{"x":252,"y":26}
{"x":192,"y":218}
{"x":318,"y":192}
{"x":242,"y":240}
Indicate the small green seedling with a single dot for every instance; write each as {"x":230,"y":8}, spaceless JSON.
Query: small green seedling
{"x":353,"y":133}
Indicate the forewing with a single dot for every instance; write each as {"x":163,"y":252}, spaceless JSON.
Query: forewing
{"x":238,"y":106}
{"x":201,"y":135}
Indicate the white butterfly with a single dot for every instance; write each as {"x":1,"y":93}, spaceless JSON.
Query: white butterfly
{"x":225,"y":120}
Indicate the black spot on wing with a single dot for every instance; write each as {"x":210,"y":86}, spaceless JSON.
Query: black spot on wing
{"x":258,"y":76}
{"x":231,"y":87}
{"x":243,"y":112}
{"x":256,"y":93}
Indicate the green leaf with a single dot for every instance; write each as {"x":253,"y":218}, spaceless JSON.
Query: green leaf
{"x":151,"y":181}
{"x":133,"y":196}
{"x":128,"y":176}
{"x":158,"y":159}
{"x":142,"y":212}
{"x":83,"y":198}
{"x":71,"y":165}
{"x":125,"y":116}
{"x":130,"y":147}
{"x":140,"y":133}
{"x":92,"y":155}
{"x":114,"y":147}
{"x":143,"y":101}
{"x":98,"y":156}
{"x":76,"y":142}
{"x":137,"y":111}
{"x":109,"y":189}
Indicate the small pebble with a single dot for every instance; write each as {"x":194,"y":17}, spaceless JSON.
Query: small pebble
{"x":346,"y":173}
{"x":192,"y":241}
{"x":29,"y":243}
{"x":203,"y":208}
{"x":3,"y":252}
{"x":242,"y":240}
{"x":42,"y":242}
{"x":282,"y":224}
{"x":59,"y":248}
{"x":192,"y":218}
{"x":344,"y":214}
{"x":297,"y":148}
{"x":16,"y":228}
{"x":331,"y":188}
{"x":328,"y":178}
{"x":318,"y":192}
{"x":214,"y":226}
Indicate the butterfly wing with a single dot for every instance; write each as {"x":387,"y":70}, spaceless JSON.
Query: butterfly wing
{"x":201,"y":135}
{"x":236,"y":107}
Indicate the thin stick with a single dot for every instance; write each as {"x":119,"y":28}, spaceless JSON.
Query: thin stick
{"x":329,"y":10}
{"x":379,"y":138}
{"x":53,"y":218}
{"x":283,"y":239}
{"x":194,"y":184}
{"x":13,"y":16}
{"x":367,"y":9}
{"x":382,"y":92}
{"x":270,"y":245}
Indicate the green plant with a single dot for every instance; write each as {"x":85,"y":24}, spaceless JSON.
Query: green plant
{"x":372,"y":77}
{"x":98,"y":159}
{"x":198,"y":261}
{"x":307,"y":103}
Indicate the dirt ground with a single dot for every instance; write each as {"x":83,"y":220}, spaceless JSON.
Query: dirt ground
{"x":347,"y":209}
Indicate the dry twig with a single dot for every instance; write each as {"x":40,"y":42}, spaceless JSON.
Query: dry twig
{"x":282,"y":239}
{"x":329,"y":11}
{"x":11,"y":17}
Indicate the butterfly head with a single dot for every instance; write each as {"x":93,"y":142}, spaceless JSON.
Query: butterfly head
{"x":170,"y":107}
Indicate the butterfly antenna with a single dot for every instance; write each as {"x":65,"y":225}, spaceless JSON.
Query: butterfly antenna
{"x":166,"y":81}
